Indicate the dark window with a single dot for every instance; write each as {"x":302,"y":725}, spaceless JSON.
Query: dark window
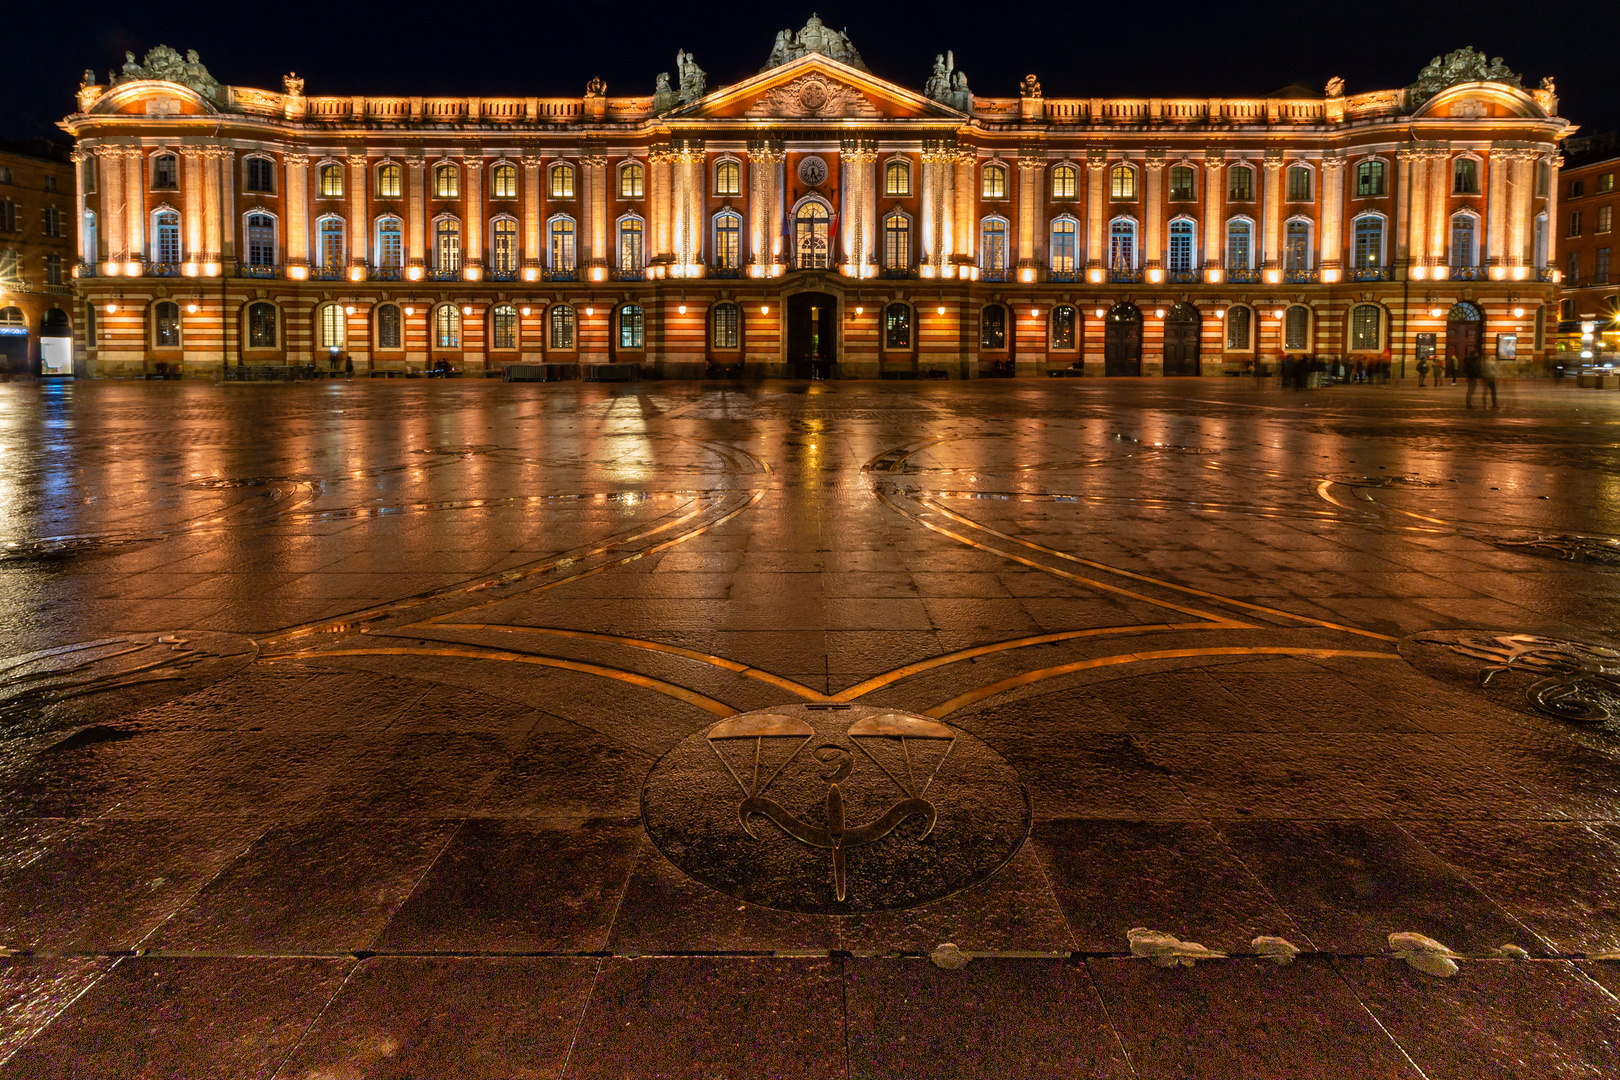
{"x":1181,"y":183}
{"x":1063,"y":327}
{"x":726,"y":320}
{"x":50,"y":183}
{"x":1572,"y":274}
{"x":87,"y":174}
{"x":1574,"y":223}
{"x":90,"y":325}
{"x":51,"y":219}
{"x":1240,"y":184}
{"x":1237,"y":328}
{"x":993,"y":328}
{"x":53,"y":268}
{"x":166,"y":324}
{"x":897,"y":327}
{"x":8,"y":216}
{"x":1465,"y":177}
{"x":1600,"y":272}
{"x":165,"y":172}
{"x":1577,"y":188}
{"x":262,"y":326}
{"x":630,"y":327}
{"x":261,"y":240}
{"x":261,"y":174}
{"x":1299,"y":184}
{"x":1296,"y":327}
{"x":388,"y":327}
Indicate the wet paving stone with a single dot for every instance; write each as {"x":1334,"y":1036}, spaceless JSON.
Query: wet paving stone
{"x":34,"y":989}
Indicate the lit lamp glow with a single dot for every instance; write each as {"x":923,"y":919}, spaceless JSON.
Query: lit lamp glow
{"x":1214,"y":275}
{"x":112,"y":309}
{"x":191,"y":309}
{"x":765,"y":309}
{"x":1026,"y":274}
{"x":349,"y":309}
{"x":1273,"y":276}
{"x":1220,"y":313}
{"x":1434,"y":313}
{"x":1441,"y":273}
{"x":414,"y":273}
{"x":1419,"y":273}
{"x":859,"y":309}
{"x":1519,"y":273}
{"x":132,"y":269}
{"x":1155,"y":275}
{"x":356,"y":274}
{"x":297,"y":273}
{"x":1095,"y":274}
{"x":590,"y":311}
{"x":525,"y":312}
{"x":409,"y":310}
{"x":1158,"y":313}
{"x":531,"y":274}
{"x":1518,"y":313}
{"x":1100,"y":313}
{"x":681,"y":309}
{"x":211,"y":269}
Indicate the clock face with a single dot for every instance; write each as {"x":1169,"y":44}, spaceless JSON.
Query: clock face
{"x":813,"y":171}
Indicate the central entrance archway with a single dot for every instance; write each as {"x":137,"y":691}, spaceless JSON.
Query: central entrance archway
{"x":1181,"y":328}
{"x":1122,"y":340}
{"x":1465,"y":325}
{"x":812,"y":336}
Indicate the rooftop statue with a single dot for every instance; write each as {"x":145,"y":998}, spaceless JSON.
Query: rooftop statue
{"x":694,"y":81}
{"x":947,"y":85}
{"x":169,"y":66}
{"x":1464,"y":65}
{"x":816,"y":37}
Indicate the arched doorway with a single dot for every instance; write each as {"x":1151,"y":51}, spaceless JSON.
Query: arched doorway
{"x":1465,"y":328}
{"x":1122,"y":340}
{"x":1181,"y":331}
{"x":812,"y":335}
{"x":13,"y":342}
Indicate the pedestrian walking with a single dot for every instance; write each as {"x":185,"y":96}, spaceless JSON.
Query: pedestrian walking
{"x":1423,"y":371}
{"x":1488,"y":371}
{"x":1451,"y":368}
{"x":1471,"y":374}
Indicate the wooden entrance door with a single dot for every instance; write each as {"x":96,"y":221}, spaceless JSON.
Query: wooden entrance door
{"x":1181,"y":328}
{"x":1122,"y":341}
{"x":1465,"y":324}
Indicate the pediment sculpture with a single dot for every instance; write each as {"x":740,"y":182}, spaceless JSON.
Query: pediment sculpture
{"x":1464,"y":65}
{"x":813,"y":95}
{"x":816,"y":37}
{"x":166,"y":64}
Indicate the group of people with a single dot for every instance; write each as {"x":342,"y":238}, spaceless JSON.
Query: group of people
{"x":1476,"y":369}
{"x":1301,"y":372}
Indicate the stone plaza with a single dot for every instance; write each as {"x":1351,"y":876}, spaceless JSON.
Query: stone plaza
{"x":468,"y":729}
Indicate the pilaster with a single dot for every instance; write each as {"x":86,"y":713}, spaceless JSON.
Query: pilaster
{"x":472,"y":259}
{"x":1153,"y":213}
{"x":1214,"y":218}
{"x":296,"y":198}
{"x":359,"y":215}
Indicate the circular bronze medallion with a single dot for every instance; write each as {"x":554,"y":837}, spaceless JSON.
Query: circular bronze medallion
{"x":835,"y":810}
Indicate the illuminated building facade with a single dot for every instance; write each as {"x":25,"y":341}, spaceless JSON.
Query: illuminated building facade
{"x":811,"y":218}
{"x":36,"y":259}
{"x":1589,"y":200}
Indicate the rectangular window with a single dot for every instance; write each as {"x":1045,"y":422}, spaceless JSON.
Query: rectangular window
{"x":331,"y":181}
{"x":1574,"y":223}
{"x":504,"y":182}
{"x":993,"y":328}
{"x":50,"y":183}
{"x":51,"y":220}
{"x":165,"y":172}
{"x":390,"y":246}
{"x":1465,"y":177}
{"x":8,"y":216}
{"x":505,"y":330}
{"x":388,"y":182}
{"x":1604,"y":214}
{"x":1600,"y":272}
{"x":562,"y":182}
{"x":728,"y":242}
{"x":1364,"y":327}
{"x":897,"y":327}
{"x":388,"y":327}
{"x":1240,"y":184}
{"x":1299,"y":184}
{"x":87,"y":174}
{"x":53,"y":269}
{"x":1181,"y":183}
{"x":1181,"y":249}
{"x":10,"y":265}
{"x":562,"y":327}
{"x":1606,"y":182}
{"x":1063,"y":327}
{"x":1572,"y":269}
{"x":1577,"y":188}
{"x":261,"y":175}
{"x":725,"y":326}
{"x":1369,"y":179}
{"x":1296,"y":327}
{"x":630,"y":327}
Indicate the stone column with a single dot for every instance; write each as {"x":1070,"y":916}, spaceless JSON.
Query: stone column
{"x":1031,"y":244}
{"x":472,"y":258}
{"x":934,"y":228}
{"x":1496,"y":205}
{"x":1519,"y":226}
{"x":79,"y":157}
{"x":967,"y":200}
{"x":416,"y":196}
{"x":764,"y":215}
{"x":1555,"y":162}
{"x":593,"y":206}
{"x":1271,"y":226}
{"x":658,"y":248}
{"x":1411,"y":232}
{"x":1439,"y":220}
{"x":1153,"y":215}
{"x":359,"y":215}
{"x":1332,"y":228}
{"x":211,"y":212}
{"x":297,"y":202}
{"x":192,"y":193}
{"x":229,"y":222}
{"x":856,"y":158}
{"x":110,"y":185}
{"x":1214,"y":200}
{"x":533,"y":244}
{"x":135,"y":203}
{"x":1096,"y":192}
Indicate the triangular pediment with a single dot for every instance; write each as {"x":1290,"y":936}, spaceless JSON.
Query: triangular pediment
{"x":815,"y":87}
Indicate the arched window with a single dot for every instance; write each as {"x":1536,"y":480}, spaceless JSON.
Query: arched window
{"x":1465,"y":176}
{"x":1240,"y":183}
{"x":87,"y":234}
{"x":993,"y":247}
{"x":727,"y":178}
{"x":994,"y":185}
{"x":811,"y":244}
{"x":1369,"y":243}
{"x":261,"y":240}
{"x":1239,"y":324}
{"x":993,"y":328}
{"x":724,"y":321}
{"x":166,"y":236}
{"x":12,"y":316}
{"x":1064,"y":182}
{"x":165,"y":173}
{"x":1297,"y":328}
{"x":562,"y":327}
{"x":331,"y":180}
{"x":562,"y":244}
{"x":1061,"y":252}
{"x":896,"y":241}
{"x":630,"y":244}
{"x":1299,"y":183}
{"x":389,"y":327}
{"x":447,"y":244}
{"x":166,"y":324}
{"x":329,"y":327}
{"x":259,"y":174}
{"x":1122,"y":244}
{"x":1122,"y":183}
{"x":1063,"y":327}
{"x":503,"y":245}
{"x":1366,"y":326}
{"x":1183,"y":246}
{"x":1297,"y":245}
{"x":503,"y":182}
{"x":1369,"y":179}
{"x":897,"y":326}
{"x":388,"y":181}
{"x":897,"y":178}
{"x":727,"y":240}
{"x":630,"y":180}
{"x":261,"y":326}
{"x":1463,"y":241}
{"x":1181,"y":183}
{"x":447,"y":326}
{"x":446,"y":181}
{"x":1239,"y":245}
{"x":390,"y":243}
{"x":630,"y":327}
{"x":562,"y":181}
{"x":329,"y":252}
{"x":503,"y":327}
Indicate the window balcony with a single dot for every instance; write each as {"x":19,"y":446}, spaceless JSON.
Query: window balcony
{"x":1243,"y":276}
{"x":725,"y":271}
{"x":257,"y":270}
{"x":385,"y":273}
{"x":1468,"y":273}
{"x":1125,"y":277}
{"x":326,"y":273}
{"x":162,"y":269}
{"x":568,"y":274}
{"x":898,"y":272}
{"x":1302,"y":277}
{"x":1544,"y":274}
{"x":630,"y":273}
{"x":1183,"y":277}
{"x":1370,"y":273}
{"x":1060,"y":275}
{"x":500,"y":275}
{"x":994,"y":273}
{"x":86,"y":270}
{"x":441,"y":273}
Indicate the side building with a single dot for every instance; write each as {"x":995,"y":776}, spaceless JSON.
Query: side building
{"x":38,"y":249}
{"x":813,"y":219}
{"x":1589,"y":300}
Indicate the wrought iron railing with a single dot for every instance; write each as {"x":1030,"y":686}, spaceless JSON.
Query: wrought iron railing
{"x":570,"y":274}
{"x":1060,"y":275}
{"x":629,"y":273}
{"x":1369,"y":273}
{"x":898,"y":272}
{"x":87,"y":269}
{"x":1243,"y":276}
{"x":725,"y":271}
{"x":501,"y":275}
{"x":386,"y":273}
{"x":326,"y":273}
{"x":162,"y":269}
{"x":1299,"y":276}
{"x":440,"y":273}
{"x":994,"y":273}
{"x":1468,"y":273}
{"x":1544,"y":273}
{"x":1183,"y":277}
{"x":1125,"y":277}
{"x":257,"y":270}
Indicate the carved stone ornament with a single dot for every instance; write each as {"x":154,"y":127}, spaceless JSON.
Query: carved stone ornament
{"x":1335,"y":87}
{"x":169,"y":66}
{"x":293,"y":83}
{"x":813,"y":171}
{"x":816,"y":37}
{"x":1464,"y":65}
{"x":1030,"y":87}
{"x":812,"y":95}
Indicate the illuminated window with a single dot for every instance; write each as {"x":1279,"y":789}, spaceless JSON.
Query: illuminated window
{"x":1122,"y":245}
{"x":1299,"y":183}
{"x":630,"y":244}
{"x":1238,"y":323}
{"x":503,"y":245}
{"x":1366,"y":325}
{"x":1181,"y":183}
{"x":1062,"y":250}
{"x":1369,"y":179}
{"x":562,"y":327}
{"x":1183,"y":244}
{"x":166,"y":324}
{"x":1606,"y":182}
{"x":897,"y":326}
{"x":388,"y":181}
{"x":447,"y":244}
{"x":1239,"y":245}
{"x":724,"y":321}
{"x":1574,"y":223}
{"x":331,"y":181}
{"x":1465,"y":177}
{"x":390,"y":243}
{"x":329,"y":253}
{"x":389,"y":334}
{"x":562,"y":244}
{"x":1463,"y":240}
{"x":1297,"y":327}
{"x":1064,"y":182}
{"x":562,"y":181}
{"x":329,"y":325}
{"x":1122,"y":183}
{"x":261,"y":240}
{"x":503,"y":182}
{"x":447,"y":326}
{"x":727,"y":178}
{"x":993,"y":245}
{"x":630,"y":181}
{"x":1240,"y":183}
{"x":503,"y":327}
{"x":1369,"y":243}
{"x":727,"y":240}
{"x":165,"y":172}
{"x":1604,"y":217}
{"x":261,"y":174}
{"x":166,"y":236}
{"x":630,"y":327}
{"x":897,"y":178}
{"x":896,"y":242}
{"x":1297,"y":246}
{"x":811,"y":242}
{"x":995,"y":182}
{"x":446,"y":181}
{"x":993,"y":328}
{"x":1063,"y":323}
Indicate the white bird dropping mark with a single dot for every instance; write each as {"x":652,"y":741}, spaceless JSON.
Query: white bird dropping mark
{"x":949,"y":957}
{"x":1424,"y":953}
{"x":1166,"y":950}
{"x":1279,"y":951}
{"x":1512,"y":952}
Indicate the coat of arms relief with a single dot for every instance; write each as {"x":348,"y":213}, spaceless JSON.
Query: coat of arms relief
{"x":812,"y":95}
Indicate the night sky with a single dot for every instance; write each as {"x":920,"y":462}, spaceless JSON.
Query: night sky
{"x":1164,"y":49}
